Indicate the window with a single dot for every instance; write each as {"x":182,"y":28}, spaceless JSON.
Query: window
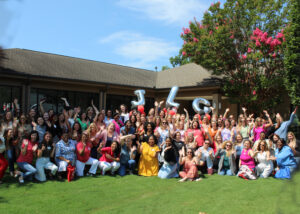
{"x":8,"y":94}
{"x":54,"y":101}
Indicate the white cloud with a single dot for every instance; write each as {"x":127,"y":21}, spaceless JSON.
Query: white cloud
{"x":169,"y":11}
{"x":138,"y":50}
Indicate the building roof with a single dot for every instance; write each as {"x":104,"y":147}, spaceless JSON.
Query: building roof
{"x":40,"y":64}
{"x":189,"y":75}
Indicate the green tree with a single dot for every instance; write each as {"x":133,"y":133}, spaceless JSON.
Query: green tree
{"x":242,"y":41}
{"x":292,"y":53}
{"x":165,"y":67}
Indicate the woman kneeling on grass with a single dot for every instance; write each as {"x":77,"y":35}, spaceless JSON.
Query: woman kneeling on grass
{"x":247,"y":156}
{"x":110,"y":159}
{"x":265,"y":165}
{"x":227,"y":163}
{"x":83,"y":151}
{"x":169,"y":156}
{"x":285,"y":160}
{"x":28,"y":151}
{"x":64,"y":154}
{"x":190,"y":171}
{"x":148,"y":164}
{"x":45,"y":151}
{"x":128,"y":153}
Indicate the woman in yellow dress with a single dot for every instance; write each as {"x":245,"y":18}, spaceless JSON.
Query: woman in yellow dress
{"x":148,"y":165}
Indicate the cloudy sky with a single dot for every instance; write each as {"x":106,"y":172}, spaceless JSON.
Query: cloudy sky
{"x":137,"y":33}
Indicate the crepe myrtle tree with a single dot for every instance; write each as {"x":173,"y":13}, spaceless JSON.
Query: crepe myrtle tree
{"x":243,"y":42}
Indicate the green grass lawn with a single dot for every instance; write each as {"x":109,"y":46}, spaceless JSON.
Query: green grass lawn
{"x":134,"y":194}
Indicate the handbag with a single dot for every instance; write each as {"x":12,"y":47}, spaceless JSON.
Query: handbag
{"x":71,"y":172}
{"x":283,"y":173}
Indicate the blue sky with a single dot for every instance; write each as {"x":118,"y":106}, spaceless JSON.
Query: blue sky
{"x":137,"y":33}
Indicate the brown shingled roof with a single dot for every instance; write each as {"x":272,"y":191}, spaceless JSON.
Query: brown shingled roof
{"x":188,"y":75}
{"x":40,"y":64}
{"x":35,"y":63}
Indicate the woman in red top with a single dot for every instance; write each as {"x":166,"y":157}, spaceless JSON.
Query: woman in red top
{"x":110,"y":159}
{"x":198,"y":132}
{"x":28,"y":151}
{"x":83,"y":151}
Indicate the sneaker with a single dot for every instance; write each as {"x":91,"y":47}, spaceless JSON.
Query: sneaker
{"x":198,"y":179}
{"x":90,"y":174}
{"x":182,"y":180}
{"x":12,"y":174}
{"x":21,"y":179}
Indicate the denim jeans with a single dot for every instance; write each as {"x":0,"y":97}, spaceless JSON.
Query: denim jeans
{"x":130,"y":165}
{"x":28,"y":169}
{"x":11,"y":159}
{"x":225,"y":172}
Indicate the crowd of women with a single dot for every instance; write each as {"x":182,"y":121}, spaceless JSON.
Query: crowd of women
{"x":42,"y":144}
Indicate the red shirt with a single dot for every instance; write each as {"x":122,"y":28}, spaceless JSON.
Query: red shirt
{"x":197,"y":132}
{"x":86,"y":153}
{"x":108,"y":151}
{"x":28,"y":157}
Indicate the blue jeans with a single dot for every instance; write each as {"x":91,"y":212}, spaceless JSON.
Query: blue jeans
{"x":130,"y":165}
{"x":11,"y":159}
{"x":225,"y":172}
{"x":28,"y":169}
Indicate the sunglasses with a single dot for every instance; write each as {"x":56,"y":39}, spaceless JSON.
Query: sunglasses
{"x":228,"y":145}
{"x":189,"y":152}
{"x":164,"y":123}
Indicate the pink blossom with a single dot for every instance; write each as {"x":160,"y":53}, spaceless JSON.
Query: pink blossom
{"x":257,"y":32}
{"x":274,"y":55}
{"x":244,"y":56}
{"x":195,"y":39}
{"x":183,"y":53}
{"x":212,"y":4}
{"x":249,"y":50}
{"x":186,"y":30}
{"x":217,"y":28}
{"x":210,"y":32}
{"x":269,"y":40}
{"x":184,"y":42}
{"x":257,"y":43}
{"x":232,"y":36}
{"x":181,"y":34}
{"x":264,"y":37}
{"x":190,"y":22}
{"x":254,"y":92}
{"x":279,"y":35}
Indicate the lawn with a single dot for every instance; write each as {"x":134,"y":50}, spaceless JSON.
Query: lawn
{"x":134,"y":194}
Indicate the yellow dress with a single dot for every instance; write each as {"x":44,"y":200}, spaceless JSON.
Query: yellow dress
{"x":148,"y":165}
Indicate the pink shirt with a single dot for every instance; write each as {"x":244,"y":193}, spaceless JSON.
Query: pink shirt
{"x":246,"y":159}
{"x":197,"y":132}
{"x":257,"y":131}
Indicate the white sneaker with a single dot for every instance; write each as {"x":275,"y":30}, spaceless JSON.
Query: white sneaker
{"x":182,"y":180}
{"x":21,"y":179}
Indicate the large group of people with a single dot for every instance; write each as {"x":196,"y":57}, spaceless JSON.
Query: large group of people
{"x":41,"y":144}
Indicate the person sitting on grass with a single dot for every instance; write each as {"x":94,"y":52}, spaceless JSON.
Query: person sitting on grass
{"x":262,"y":154}
{"x":169,"y":155}
{"x":28,"y":151}
{"x":285,"y":159}
{"x":128,"y":153}
{"x":189,"y":162}
{"x":45,"y":151}
{"x":205,"y":155}
{"x":64,"y":154}
{"x":227,"y":163}
{"x":110,"y":159}
{"x":148,"y":164}
{"x":247,"y":156}
{"x":83,"y":151}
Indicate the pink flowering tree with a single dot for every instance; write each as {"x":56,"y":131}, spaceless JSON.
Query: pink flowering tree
{"x":243,"y":42}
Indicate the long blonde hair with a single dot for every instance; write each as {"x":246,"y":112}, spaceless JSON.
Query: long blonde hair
{"x":292,"y":143}
{"x":224,"y":147}
{"x":89,"y":129}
